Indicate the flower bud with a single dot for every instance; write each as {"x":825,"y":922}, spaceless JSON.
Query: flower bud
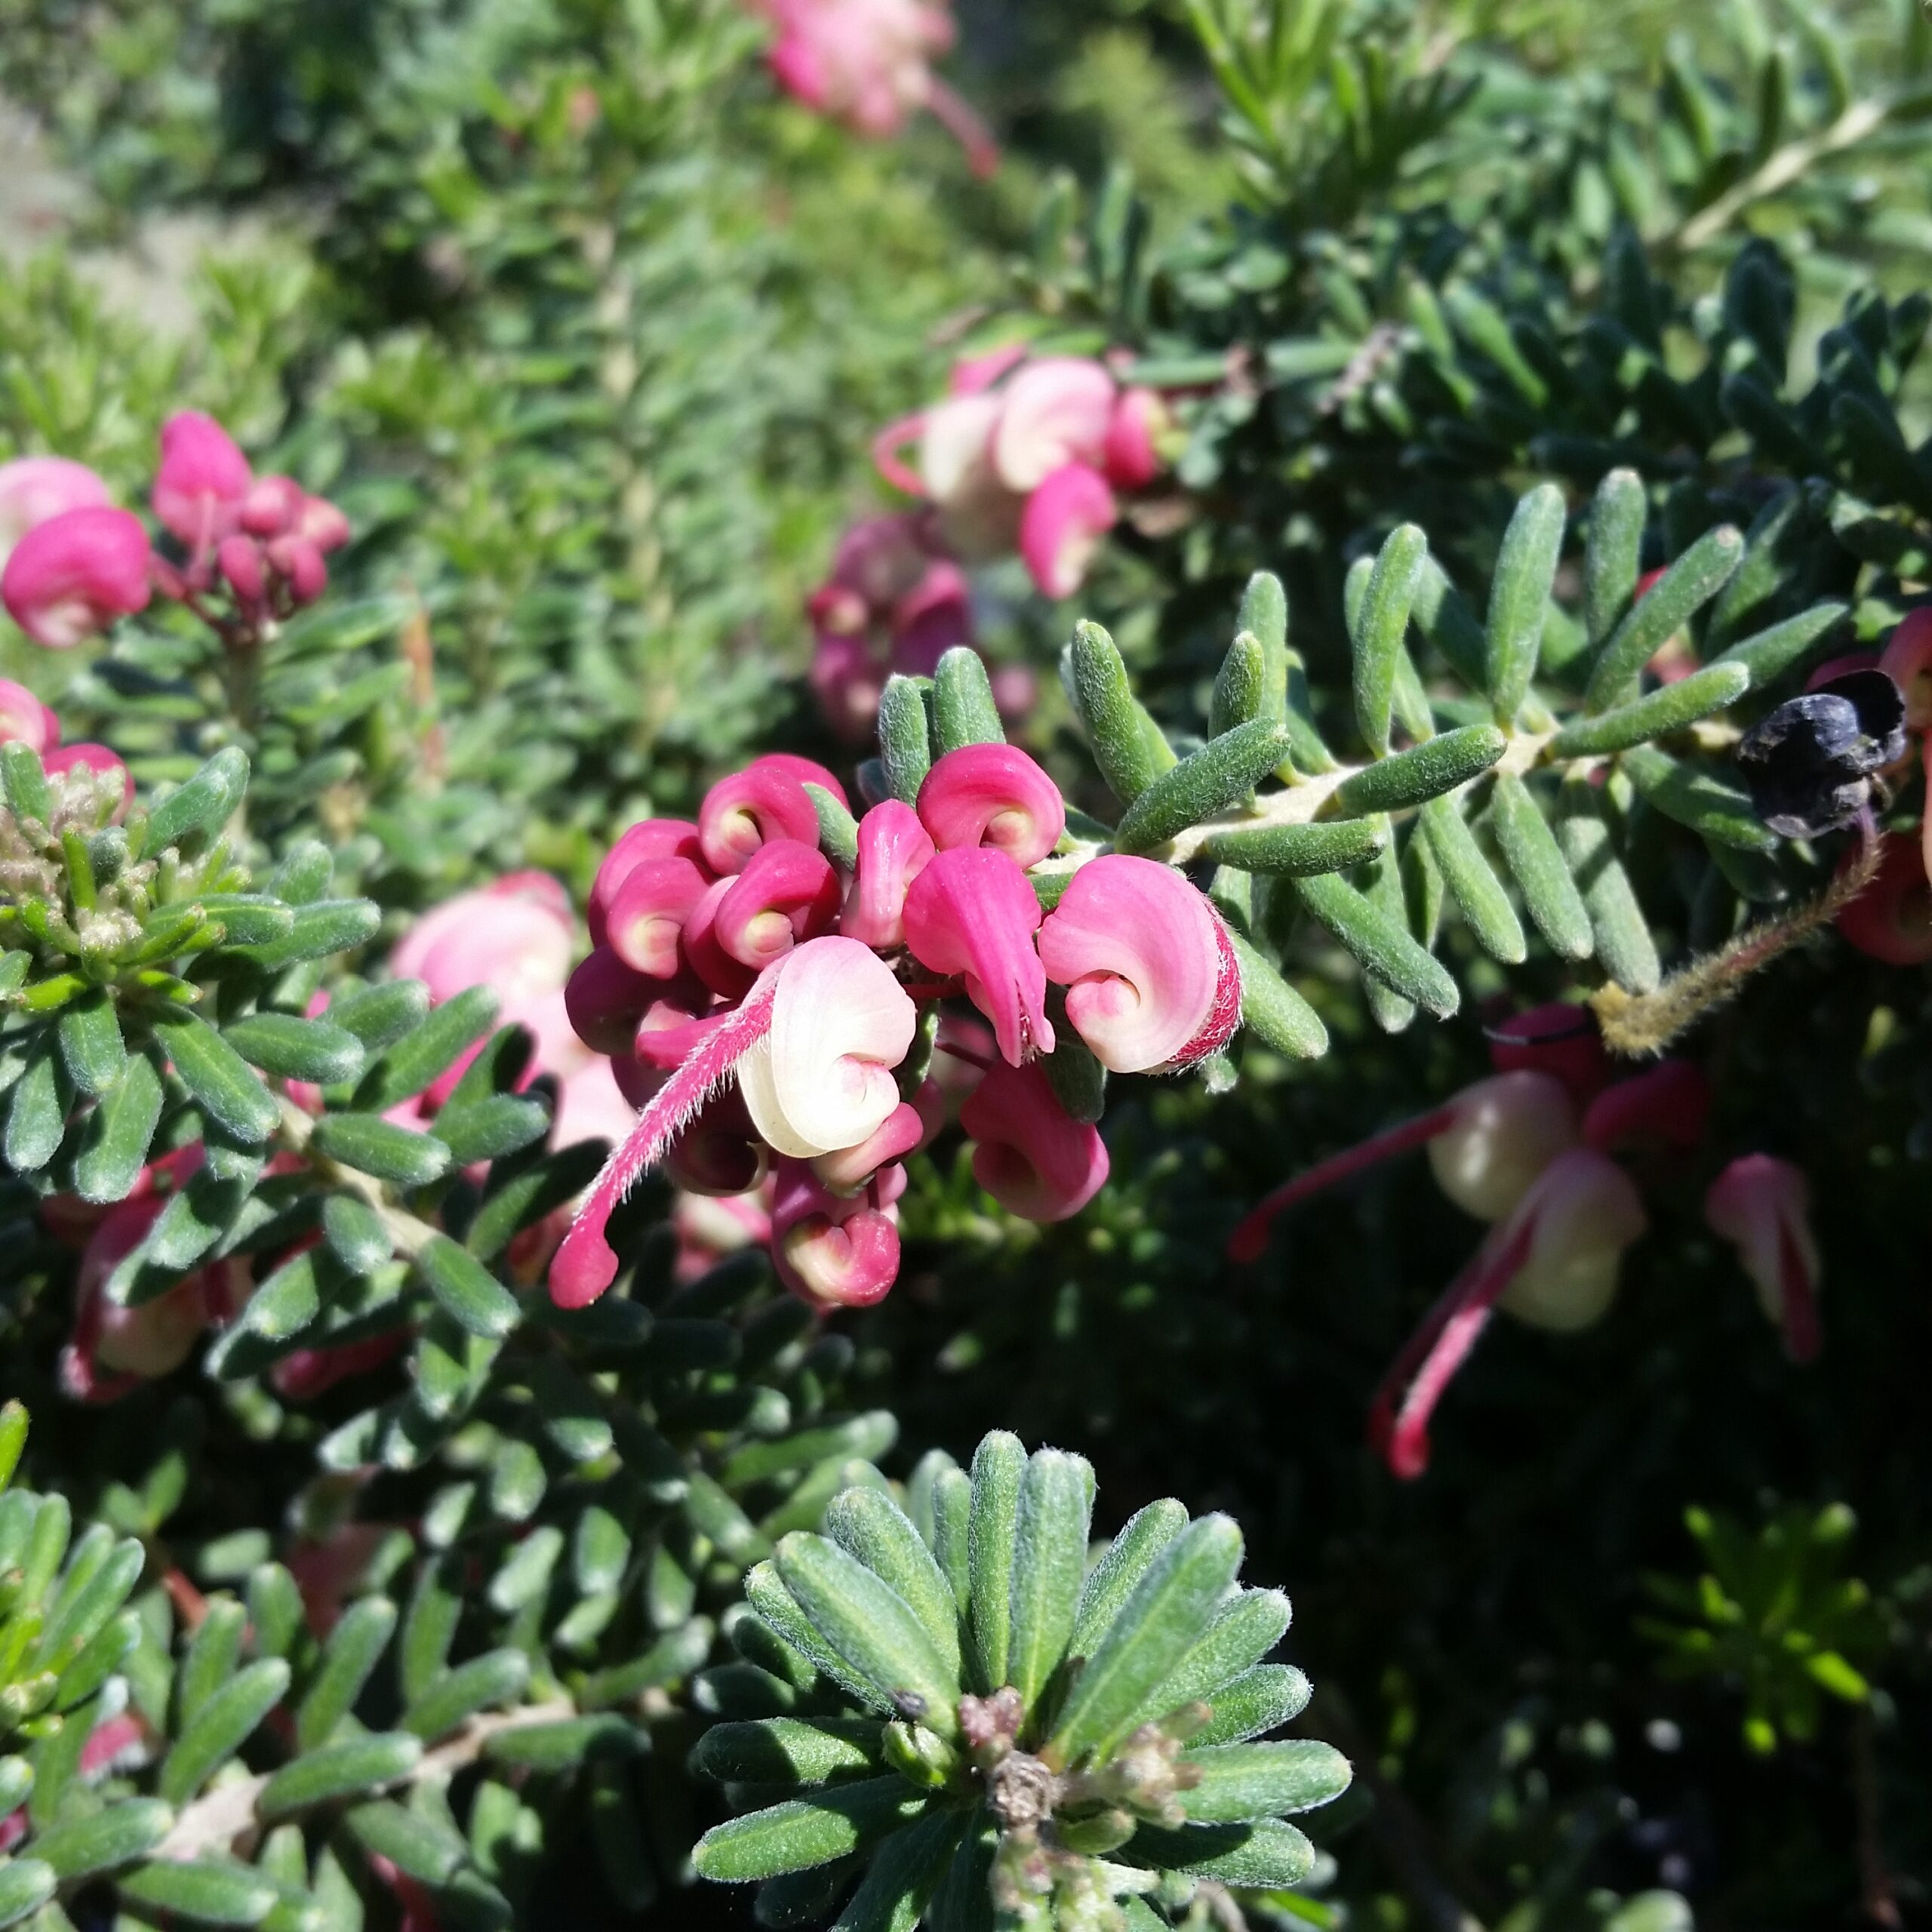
{"x":1152,"y":983}
{"x":787,"y":892}
{"x":1560,"y":1039}
{"x":322,"y":523}
{"x":1061,"y":526}
{"x":1504,"y":1132}
{"x":72,"y":575}
{"x":649,"y":838}
{"x":272,"y":506}
{"x":25,"y":720}
{"x":645,"y":920}
{"x":992,"y":796}
{"x":300,"y":564}
{"x":1906,"y":660}
{"x":740,"y":813}
{"x":972,"y":912}
{"x":704,"y":951}
{"x":1762,"y":1206}
{"x":831,"y":1251}
{"x":1054,"y":412}
{"x":893,"y":849}
{"x":203,"y":479}
{"x":34,"y":489}
{"x":1133,"y":455}
{"x":605,"y":999}
{"x":1029,"y":1153}
{"x":1891,"y":919}
{"x":240,"y":560}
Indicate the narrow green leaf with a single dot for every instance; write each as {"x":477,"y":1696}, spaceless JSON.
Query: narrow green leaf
{"x":1260,"y":1700}
{"x":26,"y":1883}
{"x":497,"y":1677}
{"x":1623,"y":941}
{"x":838,"y":829}
{"x":24,"y":779}
{"x":953,"y":1516}
{"x":1699,"y":799}
{"x":1444,"y":617}
{"x":213,"y":1652}
{"x":1518,"y":595}
{"x":354,"y":1233}
{"x":419,"y":1847}
{"x":294,"y":1049}
{"x":999,"y":1467}
{"x":869,"y":1525}
{"x":221,"y":1727}
{"x":1669,"y":709}
{"x":209,"y":1891}
{"x":1241,"y":687}
{"x":247,"y":918}
{"x":329,"y":1773}
{"x":1109,"y":714}
{"x":101,"y":1840}
{"x":1272,"y":1011}
{"x":119,"y":1134}
{"x":1299,"y":851}
{"x":349,"y":1659}
{"x":1424,"y":771}
{"x":318,"y":932}
{"x":1243,"y":1631}
{"x":466,"y":1289}
{"x":901,"y":1875}
{"x":1472,"y":883}
{"x":1683,"y":590}
{"x":486,"y":1130}
{"x":220,"y":1081}
{"x":963,"y":712}
{"x":374,"y":1145}
{"x":1078,"y":1080}
{"x":1767,"y":654}
{"x":1264,"y":616}
{"x":37,"y":1109}
{"x":789,"y":1750}
{"x":89,"y":1031}
{"x":1266,"y":1856}
{"x":1612,"y":553}
{"x":78,"y":1613}
{"x":1142,"y":1538}
{"x":1378,"y":636}
{"x":420,"y":1058}
{"x":381,"y":1015}
{"x":1225,"y":769}
{"x":1240,"y":1782}
{"x":806,"y":1832}
{"x":1050,"y":1555}
{"x":1379,"y":945}
{"x":1537,"y":862}
{"x":905,"y":737}
{"x":204,"y":803}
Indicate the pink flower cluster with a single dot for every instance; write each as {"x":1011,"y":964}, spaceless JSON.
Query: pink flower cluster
{"x":1029,"y":453}
{"x":760,"y":1003}
{"x":73,"y":563}
{"x":867,"y":64}
{"x":1533,"y":1151}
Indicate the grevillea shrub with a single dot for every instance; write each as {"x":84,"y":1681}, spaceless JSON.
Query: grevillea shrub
{"x":690,"y":810}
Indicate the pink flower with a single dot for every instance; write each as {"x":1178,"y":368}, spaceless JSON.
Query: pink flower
{"x":787,"y":892}
{"x":1152,"y":983}
{"x":203,"y":480}
{"x":1065,"y":519}
{"x":1029,"y":1153}
{"x":979,"y":514}
{"x":34,"y":489}
{"x":74,"y":574}
{"x":1055,"y":411}
{"x":834,"y":1250}
{"x":767,"y":800}
{"x":605,"y":999}
{"x":1560,"y":1039}
{"x":992,"y":796}
{"x":709,"y":1227}
{"x":649,"y":838}
{"x":514,"y":935}
{"x":241,"y":562}
{"x":1906,"y":660}
{"x":1669,"y":1103}
{"x":847,"y":677}
{"x":1891,"y":919}
{"x":1762,"y":1206}
{"x":25,"y":720}
{"x":645,"y":919}
{"x":1140,"y":421}
{"x":105,"y":765}
{"x":719,"y":1152}
{"x":902,"y":1132}
{"x":704,"y":951}
{"x":893,"y":849}
{"x":1504,"y":1132}
{"x":932,"y":616}
{"x":973,"y":911}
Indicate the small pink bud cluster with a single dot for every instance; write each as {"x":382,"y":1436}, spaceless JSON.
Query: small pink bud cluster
{"x":1533,"y":1152}
{"x":732,"y":951}
{"x":867,"y":64}
{"x":74,"y":563}
{"x":1030,"y":453}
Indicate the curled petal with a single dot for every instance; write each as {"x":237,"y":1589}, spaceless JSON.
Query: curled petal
{"x":240,"y":560}
{"x":821,"y":1080}
{"x":322,"y":523}
{"x":272,"y":506}
{"x":1029,"y":1153}
{"x":704,"y":952}
{"x":299,"y":563}
{"x":1151,"y":982}
{"x":645,"y":920}
{"x":1560,"y":1038}
{"x":1906,"y":660}
{"x":25,"y":720}
{"x":308,"y":1372}
{"x":1669,"y":1103}
{"x":36,"y":489}
{"x":672,"y":1025}
{"x":720,"y":1153}
{"x":650,"y":839}
{"x":973,"y":911}
{"x":1133,"y":457}
{"x":1061,"y":526}
{"x":902,"y":1132}
{"x":1503,"y":1132}
{"x":203,"y":479}
{"x":514,"y":935}
{"x":605,"y":999}
{"x":72,"y":575}
{"x":787,"y":892}
{"x":932,"y":616}
{"x":893,"y":849}
{"x":1762,"y":1206}
{"x":1891,"y":919}
{"x":1055,"y":412}
{"x":994,"y":795}
{"x":765,"y":800}
{"x":830,"y":1250}
{"x":956,"y":448}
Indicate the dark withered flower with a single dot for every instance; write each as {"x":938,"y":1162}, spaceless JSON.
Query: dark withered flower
{"x":1810,"y":764}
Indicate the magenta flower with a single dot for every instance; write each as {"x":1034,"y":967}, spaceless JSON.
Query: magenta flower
{"x":728,"y":977}
{"x":1762,"y":1206}
{"x":203,"y":480}
{"x":1065,"y":519}
{"x":903,"y":1131}
{"x":893,"y":849}
{"x":766,"y":800}
{"x":1140,"y":423}
{"x":649,"y":838}
{"x":74,"y":574}
{"x":847,"y":676}
{"x":1152,"y":982}
{"x":834,"y":1250}
{"x":1559,"y":1039}
{"x":34,"y":489}
{"x":644,"y":921}
{"x":973,"y":911}
{"x":787,"y":892}
{"x":1029,"y":1153}
{"x":25,"y":720}
{"x":604,"y":1000}
{"x":992,"y":796}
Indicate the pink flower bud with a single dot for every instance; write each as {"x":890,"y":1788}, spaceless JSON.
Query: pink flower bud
{"x":34,"y":489}
{"x":1029,"y":1153}
{"x":321,"y":523}
{"x":649,"y":838}
{"x":893,"y":849}
{"x":104,"y":765}
{"x":203,"y":480}
{"x":1503,"y":1132}
{"x":300,"y":564}
{"x":740,"y":813}
{"x":514,"y":937}
{"x":787,"y":892}
{"x":902,"y":1132}
{"x":932,"y":616}
{"x":1152,"y":983}
{"x":240,"y":560}
{"x":704,"y":951}
{"x":1140,"y":421}
{"x":25,"y":720}
{"x":646,"y":918}
{"x":992,"y":796}
{"x":272,"y":506}
{"x":821,"y":1079}
{"x":830,"y":1250}
{"x":1064,"y":521}
{"x":1891,"y":919}
{"x":720,"y":1152}
{"x":1669,"y":1103}
{"x":973,"y":911}
{"x":74,"y":574}
{"x":847,"y":677}
{"x":605,"y":999}
{"x":1906,"y":660}
{"x":677,"y":1022}
{"x":1762,"y":1206}
{"x":1559,"y":1039}
{"x":1055,"y":411}
{"x":880,"y":559}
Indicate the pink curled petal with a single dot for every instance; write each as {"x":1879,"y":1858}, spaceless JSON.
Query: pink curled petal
{"x":902,"y":1133}
{"x":649,"y":838}
{"x":514,"y":937}
{"x":806,"y":770}
{"x":1061,"y":526}
{"x":959,"y":120}
{"x":787,"y":892}
{"x":973,"y":911}
{"x":832,"y":1250}
{"x":1762,"y":1206}
{"x":1561,"y":1039}
{"x":25,"y":720}
{"x":767,"y":800}
{"x":992,"y":796}
{"x":322,"y":523}
{"x":637,"y":1081}
{"x":36,"y":489}
{"x":240,"y":560}
{"x":1669,"y":1102}
{"x":1140,"y":953}
{"x":936,"y":614}
{"x":720,"y":1154}
{"x":667,"y":1036}
{"x":102,"y":762}
{"x":299,"y":563}
{"x":1030,"y":1154}
{"x":1132,"y":457}
{"x":893,"y":849}
{"x":1503,"y":1133}
{"x":1055,"y":411}
{"x":888,"y":459}
{"x":272,"y":506}
{"x":74,"y":574}
{"x":704,"y":954}
{"x":203,"y":478}
{"x":645,"y":920}
{"x":308,"y":1372}
{"x":821,"y":1080}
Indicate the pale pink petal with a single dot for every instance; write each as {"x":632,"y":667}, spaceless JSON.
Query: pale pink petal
{"x":1030,"y":1154}
{"x":1064,"y":521}
{"x":1055,"y":411}
{"x":1503,"y":1132}
{"x":973,"y":912}
{"x":893,"y":849}
{"x":992,"y":796}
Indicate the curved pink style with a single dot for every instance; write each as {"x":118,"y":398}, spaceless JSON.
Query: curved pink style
{"x":767,"y":800}
{"x":1152,"y":982}
{"x":1054,"y":411}
{"x":821,"y":1078}
{"x":1064,"y":521}
{"x":1132,"y":458}
{"x":1503,"y":1133}
{"x":1029,"y":1153}
{"x":24,"y":720}
{"x":787,"y":892}
{"x":99,"y":760}
{"x":1560,"y":1039}
{"x":645,"y":918}
{"x":993,"y":795}
{"x":830,"y":1250}
{"x":1669,"y":1102}
{"x":1762,"y":1206}
{"x":893,"y":849}
{"x":74,"y":574}
{"x":203,"y":480}
{"x":36,"y":489}
{"x":902,"y":1132}
{"x":649,"y":838}
{"x":972,"y":912}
